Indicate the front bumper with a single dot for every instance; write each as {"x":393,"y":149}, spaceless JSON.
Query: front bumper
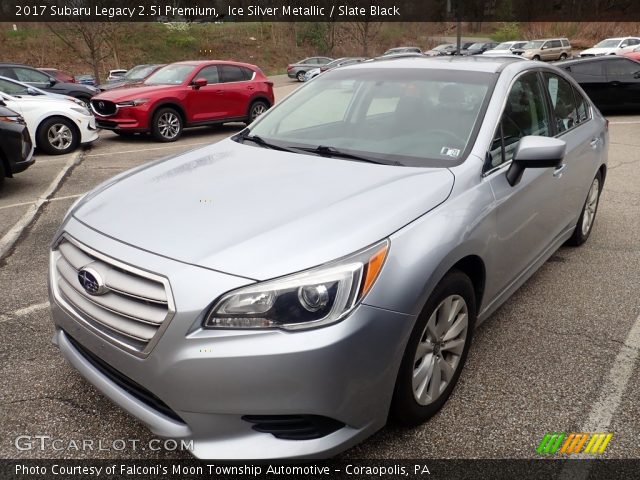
{"x":88,"y":129}
{"x":210,"y":379}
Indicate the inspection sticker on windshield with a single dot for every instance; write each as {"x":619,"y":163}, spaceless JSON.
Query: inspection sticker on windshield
{"x":450,"y":152}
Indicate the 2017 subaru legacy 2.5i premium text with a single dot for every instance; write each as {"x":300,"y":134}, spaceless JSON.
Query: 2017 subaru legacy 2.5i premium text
{"x":280,"y":293}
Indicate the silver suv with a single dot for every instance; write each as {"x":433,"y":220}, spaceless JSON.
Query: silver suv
{"x":548,"y":49}
{"x":280,"y":293}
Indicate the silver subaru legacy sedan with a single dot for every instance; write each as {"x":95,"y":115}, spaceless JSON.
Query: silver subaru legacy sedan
{"x":282,"y":293}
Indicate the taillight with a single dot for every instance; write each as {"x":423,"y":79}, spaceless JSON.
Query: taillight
{"x":269,"y":83}
{"x":289,"y":67}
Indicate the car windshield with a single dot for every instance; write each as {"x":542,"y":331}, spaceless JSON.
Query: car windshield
{"x":446,"y":46}
{"x":609,"y":43}
{"x":504,"y":46}
{"x":140,"y":72}
{"x":533,"y":44}
{"x":171,"y":75}
{"x":413,"y":117}
{"x":475,"y":46}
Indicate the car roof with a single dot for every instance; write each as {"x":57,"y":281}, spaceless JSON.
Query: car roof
{"x":197,"y":63}
{"x":476,"y":63}
{"x":603,"y":58}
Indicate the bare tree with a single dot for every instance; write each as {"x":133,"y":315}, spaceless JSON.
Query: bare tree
{"x":91,"y":42}
{"x":364,"y":33}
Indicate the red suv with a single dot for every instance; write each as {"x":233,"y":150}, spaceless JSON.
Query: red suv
{"x":186,"y":94}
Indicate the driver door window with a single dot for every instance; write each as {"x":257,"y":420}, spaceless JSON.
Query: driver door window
{"x":525,"y":113}
{"x":210,"y":73}
{"x":31,"y":76}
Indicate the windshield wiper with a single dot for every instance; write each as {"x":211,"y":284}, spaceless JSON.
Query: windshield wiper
{"x":327,"y":151}
{"x":263,"y":143}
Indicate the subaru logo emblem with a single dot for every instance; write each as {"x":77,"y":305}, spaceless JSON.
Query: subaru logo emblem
{"x":91,"y":281}
{"x":101,"y":104}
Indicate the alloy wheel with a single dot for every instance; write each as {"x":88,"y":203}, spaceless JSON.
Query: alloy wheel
{"x":169,"y":125}
{"x":60,"y":136}
{"x":257,"y":110}
{"x":591,"y":206}
{"x":440,"y":349}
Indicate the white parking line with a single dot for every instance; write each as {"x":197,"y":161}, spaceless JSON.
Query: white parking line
{"x":13,"y":205}
{"x":14,"y":233}
{"x":609,"y":398}
{"x":177,"y":145}
{"x":23,"y":312}
{"x":624,"y":123}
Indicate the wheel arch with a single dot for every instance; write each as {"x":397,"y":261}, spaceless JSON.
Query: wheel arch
{"x":258,"y":98}
{"x":42,"y":121}
{"x":170,"y":104}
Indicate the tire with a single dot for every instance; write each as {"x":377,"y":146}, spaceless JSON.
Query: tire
{"x":588,"y":214}
{"x":536,"y":58}
{"x":300,"y":76}
{"x":563,"y":56}
{"x":2,"y":174}
{"x":166,"y":125}
{"x":57,"y":136}
{"x":408,"y":406}
{"x":256,"y":109}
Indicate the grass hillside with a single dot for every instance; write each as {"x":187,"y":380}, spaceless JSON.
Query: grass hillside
{"x":269,"y":45}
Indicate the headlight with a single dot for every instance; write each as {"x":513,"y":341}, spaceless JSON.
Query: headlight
{"x":12,"y":119}
{"x":133,"y":103}
{"x":319,"y":296}
{"x":81,"y":110}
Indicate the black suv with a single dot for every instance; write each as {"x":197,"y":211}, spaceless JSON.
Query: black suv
{"x":46,"y":82}
{"x":16,"y":149}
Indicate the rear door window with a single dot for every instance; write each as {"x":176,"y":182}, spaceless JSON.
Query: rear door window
{"x":231,"y":73}
{"x":621,"y":68}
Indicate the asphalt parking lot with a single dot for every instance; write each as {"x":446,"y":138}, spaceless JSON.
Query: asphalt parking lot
{"x":560,"y":355}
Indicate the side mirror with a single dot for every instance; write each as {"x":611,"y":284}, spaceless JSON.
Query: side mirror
{"x":32,"y":91}
{"x":534,"y":151}
{"x":52,"y":81}
{"x":624,"y":45}
{"x":200,"y":82}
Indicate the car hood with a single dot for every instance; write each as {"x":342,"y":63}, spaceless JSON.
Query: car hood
{"x":119,"y":95}
{"x":598,"y":51}
{"x":260,"y":213}
{"x":57,"y":101}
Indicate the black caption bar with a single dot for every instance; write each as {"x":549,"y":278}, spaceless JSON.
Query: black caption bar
{"x":319,"y":10}
{"x":330,"y":470}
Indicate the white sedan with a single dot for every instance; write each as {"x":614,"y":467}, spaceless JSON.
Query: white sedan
{"x":611,"y":46}
{"x":56,"y":126}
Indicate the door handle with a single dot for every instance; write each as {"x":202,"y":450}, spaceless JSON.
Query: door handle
{"x":250,"y":88}
{"x":594,"y":142}
{"x":219,"y":91}
{"x":560,"y":170}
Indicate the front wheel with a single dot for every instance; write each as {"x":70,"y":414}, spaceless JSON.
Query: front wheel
{"x":166,"y":125}
{"x":300,"y":76}
{"x":436,"y":351}
{"x":563,"y":56}
{"x":536,"y":58}
{"x":588,"y":214}
{"x":57,"y":136}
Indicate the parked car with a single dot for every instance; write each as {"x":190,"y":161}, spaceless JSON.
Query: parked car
{"x":43,"y":81}
{"x":116,"y":74}
{"x":400,"y":50}
{"x":478,"y":48}
{"x":612,"y":82}
{"x":505,"y":48}
{"x":343,"y":282}
{"x":86,"y":79}
{"x":186,"y":94}
{"x":16,"y":148}
{"x":298,"y":69}
{"x":344,"y":61}
{"x":59,"y":75}
{"x":56,"y":126}
{"x":19,"y":89}
{"x":443,"y":49}
{"x":610,"y":46}
{"x":547,"y":49}
{"x":135,"y":76}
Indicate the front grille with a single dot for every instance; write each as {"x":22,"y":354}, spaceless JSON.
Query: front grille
{"x":104,"y":107}
{"x":294,"y":427}
{"x":124,"y":382}
{"x":106,"y":124}
{"x":132,"y":308}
